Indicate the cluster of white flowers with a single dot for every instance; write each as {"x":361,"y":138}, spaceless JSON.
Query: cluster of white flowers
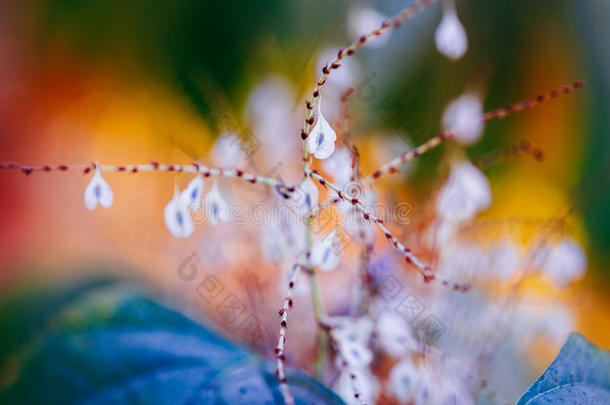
{"x":420,"y":382}
{"x":463,"y":116}
{"x":178,"y":211}
{"x":354,"y":357}
{"x":464,"y":195}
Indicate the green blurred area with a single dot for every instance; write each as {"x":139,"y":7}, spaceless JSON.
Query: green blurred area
{"x":234,"y":44}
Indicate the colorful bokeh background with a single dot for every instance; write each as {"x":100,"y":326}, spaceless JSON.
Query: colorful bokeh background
{"x":125,"y":82}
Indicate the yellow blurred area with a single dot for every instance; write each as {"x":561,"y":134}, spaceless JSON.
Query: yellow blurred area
{"x":537,"y":194}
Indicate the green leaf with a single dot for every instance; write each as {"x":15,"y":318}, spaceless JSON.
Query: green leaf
{"x":109,"y":343}
{"x":579,"y":375}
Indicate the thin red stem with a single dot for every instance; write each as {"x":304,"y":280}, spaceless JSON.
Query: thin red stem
{"x":393,"y":166}
{"x":283,"y":188}
{"x":424,"y":269}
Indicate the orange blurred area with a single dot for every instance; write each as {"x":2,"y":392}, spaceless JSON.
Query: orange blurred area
{"x":76,"y":117}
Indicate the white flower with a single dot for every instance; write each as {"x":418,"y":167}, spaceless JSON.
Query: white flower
{"x":326,"y":253}
{"x":321,"y":140}
{"x":228,"y":150}
{"x":450,"y":36}
{"x":353,"y":335}
{"x":339,"y":166}
{"x":462,"y":117}
{"x":395,"y":335}
{"x":365,"y":381}
{"x":98,"y":191}
{"x":305,"y":197}
{"x":565,"y":262}
{"x":403,"y":381}
{"x":465,"y":193}
{"x":361,"y":20}
{"x":177,"y":217}
{"x":216,"y":207}
{"x":453,"y":392}
{"x":352,"y":330}
{"x":270,"y":112}
{"x":191,"y":195}
{"x":426,"y":392}
{"x":356,"y":355}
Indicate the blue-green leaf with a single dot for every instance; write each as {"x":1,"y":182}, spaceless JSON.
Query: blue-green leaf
{"x":579,"y":375}
{"x":108,"y":343}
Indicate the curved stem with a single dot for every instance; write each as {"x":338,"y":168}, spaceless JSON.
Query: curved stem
{"x":424,"y":269}
{"x":157,"y":167}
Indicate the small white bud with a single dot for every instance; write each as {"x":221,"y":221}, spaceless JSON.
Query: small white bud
{"x":565,"y":262}
{"x":98,"y":191}
{"x":326,"y":253}
{"x":191,"y":195}
{"x":395,"y":335}
{"x":462,"y":117}
{"x":305,"y":197}
{"x":403,"y":380}
{"x":177,"y":217}
{"x":465,"y":193}
{"x":217,"y":209}
{"x":450,"y":36}
{"x":321,"y":140}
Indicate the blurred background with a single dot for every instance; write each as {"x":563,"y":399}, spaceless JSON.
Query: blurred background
{"x":130,"y":82}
